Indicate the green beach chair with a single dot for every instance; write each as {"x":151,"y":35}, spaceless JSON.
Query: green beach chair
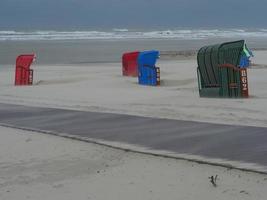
{"x":219,"y":74}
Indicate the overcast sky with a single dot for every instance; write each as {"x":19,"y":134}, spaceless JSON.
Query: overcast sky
{"x":90,"y":14}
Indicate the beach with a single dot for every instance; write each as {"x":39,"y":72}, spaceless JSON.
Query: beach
{"x":100,"y":87}
{"x":40,"y":166}
{"x":75,"y":125}
{"x":43,"y":166}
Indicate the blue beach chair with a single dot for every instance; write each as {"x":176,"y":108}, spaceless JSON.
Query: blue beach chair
{"x":245,"y":57}
{"x":148,"y":74}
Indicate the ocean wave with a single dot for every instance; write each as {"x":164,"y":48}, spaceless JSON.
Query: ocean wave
{"x":120,"y":30}
{"x":120,"y":34}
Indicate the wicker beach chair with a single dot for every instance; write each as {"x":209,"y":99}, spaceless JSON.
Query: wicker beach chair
{"x":130,"y":64}
{"x":219,"y":73}
{"x":23,"y":73}
{"x":148,"y":73}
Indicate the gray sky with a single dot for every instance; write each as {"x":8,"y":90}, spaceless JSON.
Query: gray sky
{"x":51,"y":14}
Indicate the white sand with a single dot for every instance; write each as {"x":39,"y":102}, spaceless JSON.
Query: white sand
{"x":100,"y":87}
{"x":36,"y":166}
{"x":44,"y":167}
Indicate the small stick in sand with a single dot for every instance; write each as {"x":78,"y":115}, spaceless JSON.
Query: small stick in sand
{"x":213,"y":180}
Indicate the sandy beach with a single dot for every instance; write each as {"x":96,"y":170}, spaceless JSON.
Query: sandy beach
{"x":74,"y":127}
{"x":48,"y":167}
{"x":100,"y":87}
{"x":43,"y":167}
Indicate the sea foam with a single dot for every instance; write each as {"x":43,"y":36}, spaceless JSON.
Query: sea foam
{"x":124,"y":34}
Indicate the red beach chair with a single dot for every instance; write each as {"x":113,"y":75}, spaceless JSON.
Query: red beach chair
{"x":130,"y":64}
{"x":23,"y":73}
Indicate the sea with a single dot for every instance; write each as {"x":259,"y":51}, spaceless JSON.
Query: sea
{"x":98,"y":46}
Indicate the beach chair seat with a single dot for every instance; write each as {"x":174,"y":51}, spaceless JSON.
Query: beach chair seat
{"x":148,"y":73}
{"x":130,"y":64}
{"x":23,"y":73}
{"x":219,"y":73}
